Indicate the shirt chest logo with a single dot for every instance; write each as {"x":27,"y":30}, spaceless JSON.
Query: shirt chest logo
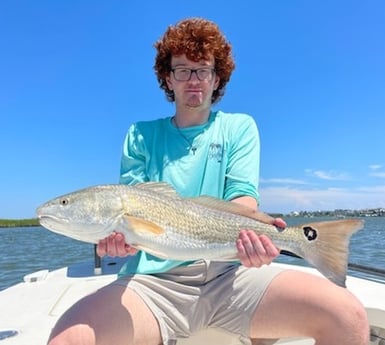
{"x":215,"y":152}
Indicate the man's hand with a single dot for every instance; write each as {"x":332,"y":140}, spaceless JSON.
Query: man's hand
{"x":114,"y":245}
{"x":254,"y":250}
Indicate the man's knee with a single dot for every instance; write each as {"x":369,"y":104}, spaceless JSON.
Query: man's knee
{"x":359,"y":321}
{"x":351,"y":320}
{"x":79,"y":335}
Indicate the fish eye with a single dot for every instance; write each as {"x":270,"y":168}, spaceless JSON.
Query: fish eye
{"x":64,"y":201}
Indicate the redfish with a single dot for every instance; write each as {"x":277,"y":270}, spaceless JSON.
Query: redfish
{"x":154,"y":218}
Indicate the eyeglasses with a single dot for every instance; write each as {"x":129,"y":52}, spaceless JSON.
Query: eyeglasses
{"x":184,"y":74}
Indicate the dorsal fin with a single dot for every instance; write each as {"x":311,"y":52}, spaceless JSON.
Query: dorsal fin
{"x":160,"y":188}
{"x":232,"y":207}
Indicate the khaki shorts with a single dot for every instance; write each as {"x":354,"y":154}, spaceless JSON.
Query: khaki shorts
{"x":202,"y":294}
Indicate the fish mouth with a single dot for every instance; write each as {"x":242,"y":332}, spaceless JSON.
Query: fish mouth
{"x":50,"y":222}
{"x":46,"y":216}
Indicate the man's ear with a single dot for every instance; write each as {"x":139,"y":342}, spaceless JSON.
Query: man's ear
{"x":216,"y":84}
{"x":169,"y":83}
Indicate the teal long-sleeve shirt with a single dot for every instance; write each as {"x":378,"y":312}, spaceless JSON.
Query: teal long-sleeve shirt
{"x":219,"y":158}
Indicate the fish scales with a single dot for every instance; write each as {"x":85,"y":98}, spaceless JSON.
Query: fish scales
{"x":189,"y":220}
{"x":195,"y":222}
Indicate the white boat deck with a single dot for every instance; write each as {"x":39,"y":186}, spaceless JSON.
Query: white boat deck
{"x":30,"y":309}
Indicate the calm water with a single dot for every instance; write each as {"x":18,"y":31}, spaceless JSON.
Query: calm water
{"x":26,"y":250}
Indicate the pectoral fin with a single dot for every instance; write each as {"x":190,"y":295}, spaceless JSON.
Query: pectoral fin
{"x":143,"y":226}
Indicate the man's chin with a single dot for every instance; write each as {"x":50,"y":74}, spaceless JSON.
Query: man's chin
{"x":194,"y":102}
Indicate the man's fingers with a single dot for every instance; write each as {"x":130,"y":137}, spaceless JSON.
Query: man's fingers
{"x":271,"y":250}
{"x":101,"y":248}
{"x":120,"y":245}
{"x":114,"y":245}
{"x":254,"y":250}
{"x":242,"y":254}
{"x":280,"y":223}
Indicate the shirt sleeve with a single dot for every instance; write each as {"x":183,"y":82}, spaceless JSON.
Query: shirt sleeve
{"x":133,"y":161}
{"x":242,"y":173}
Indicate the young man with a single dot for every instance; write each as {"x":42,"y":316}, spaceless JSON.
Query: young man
{"x":200,"y":151}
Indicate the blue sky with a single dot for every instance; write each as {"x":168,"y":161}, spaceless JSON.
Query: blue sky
{"x":75,"y":74}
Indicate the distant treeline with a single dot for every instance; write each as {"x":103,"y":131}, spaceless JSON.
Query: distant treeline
{"x":13,"y":223}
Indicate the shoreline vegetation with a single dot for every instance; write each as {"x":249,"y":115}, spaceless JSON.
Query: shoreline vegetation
{"x":376,"y":212}
{"x":18,"y":223}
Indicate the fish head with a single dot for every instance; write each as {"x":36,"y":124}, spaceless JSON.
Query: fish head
{"x":88,"y":215}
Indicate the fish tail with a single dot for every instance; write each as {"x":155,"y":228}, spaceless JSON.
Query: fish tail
{"x":327,"y":246}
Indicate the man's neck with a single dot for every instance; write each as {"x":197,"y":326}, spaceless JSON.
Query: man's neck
{"x":193,"y":117}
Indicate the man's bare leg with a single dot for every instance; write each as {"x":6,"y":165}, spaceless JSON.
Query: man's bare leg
{"x":113,"y":315}
{"x":299,"y":304}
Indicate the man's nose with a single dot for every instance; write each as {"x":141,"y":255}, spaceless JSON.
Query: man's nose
{"x":194,"y":76}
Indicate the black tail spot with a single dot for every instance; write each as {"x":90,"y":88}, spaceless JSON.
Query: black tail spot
{"x":310,"y":233}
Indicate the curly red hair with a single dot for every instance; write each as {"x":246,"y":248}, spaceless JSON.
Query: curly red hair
{"x":198,"y":39}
